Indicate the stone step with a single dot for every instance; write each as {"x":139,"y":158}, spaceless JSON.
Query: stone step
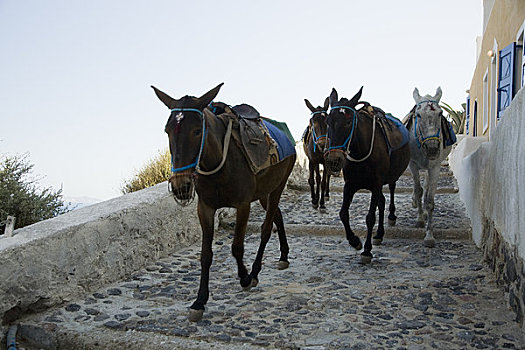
{"x":391,"y":232}
{"x":399,"y":189}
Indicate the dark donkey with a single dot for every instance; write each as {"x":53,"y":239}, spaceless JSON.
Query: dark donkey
{"x":359,"y":143}
{"x":204,"y":159}
{"x":314,"y":144}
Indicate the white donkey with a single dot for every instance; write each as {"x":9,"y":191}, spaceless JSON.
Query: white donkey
{"x":430,"y":143}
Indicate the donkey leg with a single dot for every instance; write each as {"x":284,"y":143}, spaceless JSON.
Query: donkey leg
{"x":283,"y":242}
{"x":311,"y":182}
{"x":327,"y":193}
{"x":266,"y":230}
{"x":322,"y":206}
{"x":206,"y":218}
{"x":430,"y":192}
{"x":318,"y":186}
{"x":243,"y":213}
{"x":348,"y":195}
{"x":378,"y":238}
{"x":417,"y":194}
{"x":366,"y":255}
{"x":392,"y":207}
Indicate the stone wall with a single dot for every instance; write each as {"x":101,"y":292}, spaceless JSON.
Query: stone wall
{"x":55,"y":260}
{"x":491,"y":181}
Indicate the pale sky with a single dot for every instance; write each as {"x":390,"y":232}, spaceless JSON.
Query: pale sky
{"x":75,"y":75}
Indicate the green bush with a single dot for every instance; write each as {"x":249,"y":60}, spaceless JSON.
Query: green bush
{"x":456,"y":117}
{"x":20,"y":196}
{"x":157,"y":170}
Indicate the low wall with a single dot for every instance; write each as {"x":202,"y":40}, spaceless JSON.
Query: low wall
{"x":490,"y":178}
{"x":56,"y":260}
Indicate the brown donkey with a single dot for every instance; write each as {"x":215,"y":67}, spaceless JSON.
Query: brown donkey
{"x":314,"y":144}
{"x":372,"y":149}
{"x":204,"y":160}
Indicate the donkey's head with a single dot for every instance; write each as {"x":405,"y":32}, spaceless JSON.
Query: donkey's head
{"x":318,"y":124}
{"x":186,"y":129}
{"x":341,"y":122}
{"x":427,"y":123}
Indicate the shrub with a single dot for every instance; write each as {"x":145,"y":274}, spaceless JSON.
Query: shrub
{"x":20,"y":196}
{"x":456,"y":117}
{"x":157,"y":170}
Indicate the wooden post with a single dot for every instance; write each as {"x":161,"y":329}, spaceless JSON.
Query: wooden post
{"x":9,"y":226}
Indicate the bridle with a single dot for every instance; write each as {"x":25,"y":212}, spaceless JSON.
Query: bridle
{"x":420,"y":140}
{"x":345,"y":147}
{"x":316,"y":139}
{"x":196,"y":163}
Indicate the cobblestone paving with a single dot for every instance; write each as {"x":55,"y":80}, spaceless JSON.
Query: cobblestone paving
{"x":409,"y":297}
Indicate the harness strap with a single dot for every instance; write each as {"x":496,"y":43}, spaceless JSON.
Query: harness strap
{"x":224,"y":152}
{"x":371,"y":145}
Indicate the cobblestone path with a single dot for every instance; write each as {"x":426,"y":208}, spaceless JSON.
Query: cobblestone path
{"x":409,"y":297}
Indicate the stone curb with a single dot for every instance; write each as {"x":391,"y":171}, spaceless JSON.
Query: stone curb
{"x":337,"y":230}
{"x":338,"y":188}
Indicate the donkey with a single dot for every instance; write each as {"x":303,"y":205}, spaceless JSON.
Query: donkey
{"x":358,"y":143}
{"x":204,"y":160}
{"x":314,"y":144}
{"x":430,"y":139}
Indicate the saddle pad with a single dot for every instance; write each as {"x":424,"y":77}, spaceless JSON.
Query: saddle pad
{"x":396,"y":133}
{"x":284,"y":146}
{"x":449,"y":136}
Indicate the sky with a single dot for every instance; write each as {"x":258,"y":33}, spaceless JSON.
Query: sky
{"x":75,"y":75}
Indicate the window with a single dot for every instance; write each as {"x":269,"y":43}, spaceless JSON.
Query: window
{"x":475,"y":121}
{"x":507,"y":75}
{"x":521,"y":56}
{"x":467,"y":116}
{"x":486,"y":101}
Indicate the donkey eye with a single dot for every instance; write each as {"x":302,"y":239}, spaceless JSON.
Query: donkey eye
{"x":197,"y":132}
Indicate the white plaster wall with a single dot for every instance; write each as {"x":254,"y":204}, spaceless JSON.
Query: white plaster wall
{"x":491,"y":179}
{"x":55,"y":260}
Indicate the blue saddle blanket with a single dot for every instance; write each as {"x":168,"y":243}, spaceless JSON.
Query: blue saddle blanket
{"x":402,"y":129}
{"x":285,"y":147}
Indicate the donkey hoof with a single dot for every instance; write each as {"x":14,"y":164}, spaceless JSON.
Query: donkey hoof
{"x":323,"y":210}
{"x":429,"y":243}
{"x":355,"y":242}
{"x":282,"y":265}
{"x":420,"y":223}
{"x":315,"y":205}
{"x":391,"y":222}
{"x":377,"y":241}
{"x":195,"y":315}
{"x":252,"y":284}
{"x":366,"y":259}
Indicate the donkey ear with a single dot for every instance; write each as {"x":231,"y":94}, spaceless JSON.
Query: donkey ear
{"x":167,"y":100}
{"x":356,"y":98}
{"x":333,"y":97}
{"x":416,"y":95}
{"x":439,"y":93}
{"x":205,"y":99}
{"x":309,"y":105}
{"x":326,"y":103}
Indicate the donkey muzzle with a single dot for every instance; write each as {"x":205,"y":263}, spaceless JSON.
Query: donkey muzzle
{"x":182,"y":186}
{"x":334,"y":161}
{"x":431,"y":149}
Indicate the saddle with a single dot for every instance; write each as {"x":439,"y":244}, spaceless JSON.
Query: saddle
{"x":394,"y":132}
{"x":251,"y":135}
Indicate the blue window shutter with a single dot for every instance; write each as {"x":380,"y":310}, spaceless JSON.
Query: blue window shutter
{"x":506,"y":88}
{"x":467,"y":118}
